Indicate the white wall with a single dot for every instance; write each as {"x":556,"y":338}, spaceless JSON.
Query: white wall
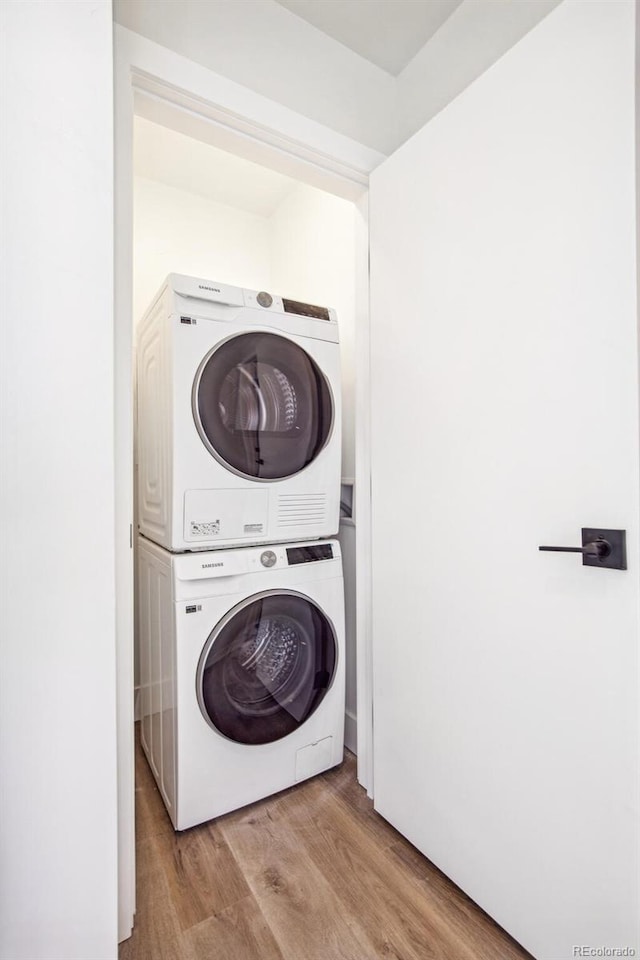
{"x":179,"y":231}
{"x":475,"y":36}
{"x":58,"y":870}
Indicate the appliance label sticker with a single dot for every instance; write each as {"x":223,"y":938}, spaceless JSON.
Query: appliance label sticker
{"x":208,"y":528}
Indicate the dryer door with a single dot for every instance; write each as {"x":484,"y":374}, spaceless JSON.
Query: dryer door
{"x":266,"y":667}
{"x":262,"y":406}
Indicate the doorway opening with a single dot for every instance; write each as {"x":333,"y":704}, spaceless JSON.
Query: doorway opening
{"x":194,"y":195}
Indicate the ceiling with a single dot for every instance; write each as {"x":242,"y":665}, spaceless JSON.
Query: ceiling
{"x":375,"y":71}
{"x":184,"y":163}
{"x":388,"y":33}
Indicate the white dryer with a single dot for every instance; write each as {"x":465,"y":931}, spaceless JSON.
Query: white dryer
{"x":239,"y":415}
{"x":242,"y":668}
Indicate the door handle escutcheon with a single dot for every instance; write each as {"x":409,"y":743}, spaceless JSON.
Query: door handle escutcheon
{"x":600,"y":548}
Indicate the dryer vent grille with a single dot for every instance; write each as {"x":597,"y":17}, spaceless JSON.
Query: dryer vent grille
{"x":300,"y":510}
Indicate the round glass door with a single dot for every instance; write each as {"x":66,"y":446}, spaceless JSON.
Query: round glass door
{"x":266,"y":667}
{"x":262,"y":406}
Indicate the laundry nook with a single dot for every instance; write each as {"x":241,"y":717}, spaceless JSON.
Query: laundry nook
{"x":321,"y":458}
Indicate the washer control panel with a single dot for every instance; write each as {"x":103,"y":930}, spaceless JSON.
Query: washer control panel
{"x":196,"y":566}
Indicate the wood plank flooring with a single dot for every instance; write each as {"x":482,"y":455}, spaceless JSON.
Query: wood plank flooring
{"x":310,"y":874}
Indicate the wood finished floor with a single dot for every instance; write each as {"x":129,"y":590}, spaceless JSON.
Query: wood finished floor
{"x":310,"y":874}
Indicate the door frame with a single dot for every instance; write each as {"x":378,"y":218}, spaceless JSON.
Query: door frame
{"x":152,"y":81}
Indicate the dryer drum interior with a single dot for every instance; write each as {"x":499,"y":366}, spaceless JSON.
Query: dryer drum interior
{"x":265,"y":669}
{"x":262,"y":406}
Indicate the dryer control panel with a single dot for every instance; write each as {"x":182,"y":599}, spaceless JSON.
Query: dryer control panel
{"x":307,"y":554}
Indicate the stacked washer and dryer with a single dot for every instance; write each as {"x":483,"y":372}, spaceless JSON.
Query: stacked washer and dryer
{"x":240,"y":603}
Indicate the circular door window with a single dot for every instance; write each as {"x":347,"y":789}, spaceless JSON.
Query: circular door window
{"x":266,"y":667}
{"x":262,"y":406}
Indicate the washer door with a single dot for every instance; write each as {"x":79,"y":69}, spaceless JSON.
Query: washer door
{"x":262,"y":406}
{"x":266,"y":667}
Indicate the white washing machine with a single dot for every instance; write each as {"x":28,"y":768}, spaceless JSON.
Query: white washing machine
{"x":239,"y":418}
{"x":242,"y":668}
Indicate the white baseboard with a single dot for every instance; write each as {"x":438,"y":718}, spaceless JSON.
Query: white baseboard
{"x":351,"y":731}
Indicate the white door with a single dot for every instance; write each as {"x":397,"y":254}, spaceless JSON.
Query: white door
{"x":505,"y":416}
